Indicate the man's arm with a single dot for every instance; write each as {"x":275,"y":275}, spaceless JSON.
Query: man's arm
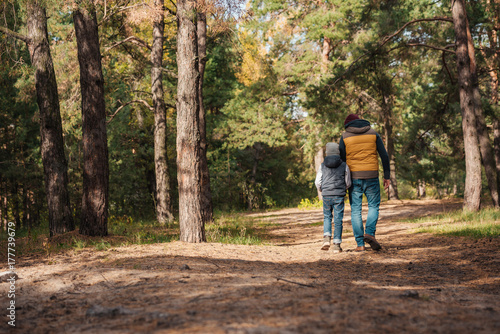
{"x":384,"y":157}
{"x":342,"y":148}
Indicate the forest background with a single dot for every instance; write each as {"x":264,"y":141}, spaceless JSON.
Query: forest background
{"x":279,"y":79}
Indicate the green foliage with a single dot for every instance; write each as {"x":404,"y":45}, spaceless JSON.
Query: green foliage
{"x":272,"y":99}
{"x":305,"y":203}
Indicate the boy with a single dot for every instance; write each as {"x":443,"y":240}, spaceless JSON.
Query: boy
{"x":332,"y":180}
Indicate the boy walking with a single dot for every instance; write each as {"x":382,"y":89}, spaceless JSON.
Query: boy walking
{"x":332,"y":180}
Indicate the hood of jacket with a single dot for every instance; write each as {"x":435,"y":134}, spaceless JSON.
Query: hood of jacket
{"x":332,"y":161}
{"x":358,"y":126}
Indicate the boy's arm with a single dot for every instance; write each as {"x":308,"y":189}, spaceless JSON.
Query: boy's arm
{"x":348,"y":182}
{"x":319,"y":179}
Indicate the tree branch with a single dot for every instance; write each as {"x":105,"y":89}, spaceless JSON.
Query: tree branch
{"x":14,"y":34}
{"x":126,"y":104}
{"x":173,"y":13}
{"x":173,"y":3}
{"x":447,"y":69}
{"x":130,"y":39}
{"x":388,"y":38}
{"x":169,"y":72}
{"x":119,"y":10}
{"x":431,"y":47}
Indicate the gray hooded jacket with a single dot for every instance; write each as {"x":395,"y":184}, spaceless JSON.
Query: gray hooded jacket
{"x":334,"y":177}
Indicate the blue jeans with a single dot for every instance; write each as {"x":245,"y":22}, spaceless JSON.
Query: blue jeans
{"x":335,"y":204}
{"x":371,"y":188}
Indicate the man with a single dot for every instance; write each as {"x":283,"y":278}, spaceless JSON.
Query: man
{"x":359,"y":146}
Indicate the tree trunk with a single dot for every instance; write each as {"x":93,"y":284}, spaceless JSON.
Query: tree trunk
{"x":472,"y":195}
{"x":252,"y":191}
{"x":207,"y":209}
{"x":496,"y":135}
{"x":163,"y":199}
{"x":384,"y":86}
{"x":94,"y":219}
{"x":52,"y":144}
{"x":421,"y":191}
{"x":486,"y":149}
{"x":325,"y":55}
{"x":191,"y":223}
{"x":493,"y":62}
{"x":3,"y":221}
{"x":25,"y":221}
{"x":5,"y":206}
{"x":389,"y":142}
{"x":16,"y":210}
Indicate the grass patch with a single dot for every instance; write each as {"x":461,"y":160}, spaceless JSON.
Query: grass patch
{"x":233,"y":229}
{"x":122,"y":231}
{"x":482,"y":224}
{"x":307,"y":204}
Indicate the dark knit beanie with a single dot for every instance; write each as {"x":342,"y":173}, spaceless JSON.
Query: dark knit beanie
{"x":350,"y":118}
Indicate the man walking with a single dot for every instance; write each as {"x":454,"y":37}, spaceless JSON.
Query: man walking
{"x":359,"y":146}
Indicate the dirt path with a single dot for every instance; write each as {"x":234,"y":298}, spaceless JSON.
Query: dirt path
{"x":418,"y":283}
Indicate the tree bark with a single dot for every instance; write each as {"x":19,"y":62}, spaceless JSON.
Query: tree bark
{"x":52,"y":143}
{"x":472,"y":195}
{"x":493,"y":63}
{"x":421,"y":189}
{"x":252,"y":191}
{"x":207,"y":208}
{"x":496,"y":144}
{"x":94,"y":219}
{"x":3,"y":221}
{"x":191,"y":223}
{"x":163,"y":199}
{"x":486,"y":149}
{"x":389,"y":142}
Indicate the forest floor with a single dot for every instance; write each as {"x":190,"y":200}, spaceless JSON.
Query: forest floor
{"x":418,"y":283}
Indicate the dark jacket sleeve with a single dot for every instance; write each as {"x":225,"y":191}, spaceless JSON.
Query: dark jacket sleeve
{"x":384,"y":157}
{"x":342,"y":149}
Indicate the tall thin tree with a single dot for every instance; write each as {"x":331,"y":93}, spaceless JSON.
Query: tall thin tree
{"x":486,"y":149}
{"x":52,"y":143}
{"x":192,"y":227}
{"x":207,"y":209}
{"x":94,"y":220}
{"x":163,"y":200}
{"x":472,"y":196}
{"x":493,"y":64}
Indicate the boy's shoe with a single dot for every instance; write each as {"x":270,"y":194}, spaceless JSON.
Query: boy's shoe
{"x":360,"y":249}
{"x":337,"y":248}
{"x":326,"y":243}
{"x":370,"y":239}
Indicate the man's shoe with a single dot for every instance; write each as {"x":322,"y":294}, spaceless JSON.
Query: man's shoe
{"x":370,"y":239}
{"x":326,"y":243}
{"x":360,"y":249}
{"x":337,"y":248}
